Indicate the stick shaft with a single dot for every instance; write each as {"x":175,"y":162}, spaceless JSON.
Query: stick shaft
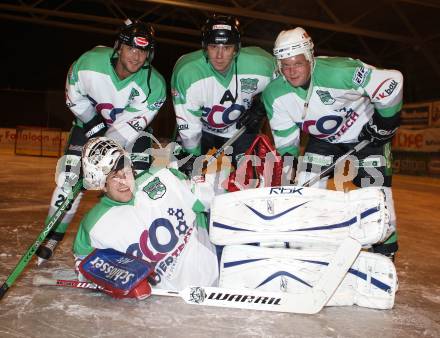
{"x":341,"y":159}
{"x":224,"y":146}
{"x":53,"y":221}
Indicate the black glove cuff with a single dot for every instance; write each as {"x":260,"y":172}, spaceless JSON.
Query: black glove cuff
{"x":95,"y":127}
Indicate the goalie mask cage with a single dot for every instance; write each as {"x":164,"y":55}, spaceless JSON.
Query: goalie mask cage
{"x":38,"y":141}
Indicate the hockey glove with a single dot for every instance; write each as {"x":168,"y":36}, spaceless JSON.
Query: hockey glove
{"x":252,"y":117}
{"x":380,"y":130}
{"x":290,"y":164}
{"x":186,"y":163}
{"x":95,"y":127}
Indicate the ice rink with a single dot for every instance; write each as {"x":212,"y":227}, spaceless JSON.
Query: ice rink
{"x":31,"y":311}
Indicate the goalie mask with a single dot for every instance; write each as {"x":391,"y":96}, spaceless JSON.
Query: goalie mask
{"x":101,"y":156}
{"x":293,"y":42}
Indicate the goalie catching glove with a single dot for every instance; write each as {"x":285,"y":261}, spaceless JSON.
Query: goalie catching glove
{"x":380,"y":130}
{"x":117,"y":274}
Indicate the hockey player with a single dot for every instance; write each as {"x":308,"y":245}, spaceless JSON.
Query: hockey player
{"x":338,"y":102}
{"x":114,"y":92}
{"x":156,"y":218}
{"x":213,"y":89}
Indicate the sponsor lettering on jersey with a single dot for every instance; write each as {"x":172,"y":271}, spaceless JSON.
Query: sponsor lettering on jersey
{"x":182,"y":124}
{"x":249,"y":85}
{"x":155,"y":189}
{"x":219,"y":117}
{"x":330,"y":126}
{"x":137,"y":124}
{"x":360,"y":75}
{"x":325,"y":97}
{"x":350,"y":119}
{"x":385,"y":89}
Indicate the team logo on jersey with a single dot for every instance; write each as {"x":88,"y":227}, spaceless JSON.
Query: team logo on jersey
{"x":156,"y":105}
{"x":133,"y":94}
{"x":155,"y":189}
{"x":248,"y":85}
{"x":325,"y":97}
{"x":360,"y":75}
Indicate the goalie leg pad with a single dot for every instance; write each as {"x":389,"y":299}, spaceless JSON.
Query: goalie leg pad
{"x":299,"y":214}
{"x":370,"y":282}
{"x":120,"y":275}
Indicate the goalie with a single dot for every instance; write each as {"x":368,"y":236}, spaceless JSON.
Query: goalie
{"x":155,"y":218}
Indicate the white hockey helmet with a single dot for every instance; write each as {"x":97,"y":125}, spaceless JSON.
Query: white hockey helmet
{"x":101,"y":156}
{"x":293,"y":42}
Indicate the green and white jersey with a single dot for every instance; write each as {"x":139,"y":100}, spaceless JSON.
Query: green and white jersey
{"x":163,"y":224}
{"x":127,"y":106}
{"x":345,"y":93}
{"x":206,"y":100}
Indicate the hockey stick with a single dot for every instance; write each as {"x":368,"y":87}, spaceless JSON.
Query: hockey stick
{"x":341,"y":159}
{"x":308,"y":302}
{"x":220,"y":150}
{"x":53,"y":221}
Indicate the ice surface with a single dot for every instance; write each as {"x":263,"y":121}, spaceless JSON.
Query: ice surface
{"x":26,"y":185}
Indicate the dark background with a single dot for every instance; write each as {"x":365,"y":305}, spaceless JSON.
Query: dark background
{"x":33,"y":68}
{"x":35,"y":57}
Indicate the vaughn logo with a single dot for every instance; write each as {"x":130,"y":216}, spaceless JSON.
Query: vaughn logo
{"x":155,"y":189}
{"x":248,"y":85}
{"x":325,"y":97}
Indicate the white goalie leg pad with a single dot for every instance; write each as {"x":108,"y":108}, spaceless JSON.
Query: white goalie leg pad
{"x":370,"y":282}
{"x":299,"y":215}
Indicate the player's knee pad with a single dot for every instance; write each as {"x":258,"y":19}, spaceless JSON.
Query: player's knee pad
{"x":389,"y":202}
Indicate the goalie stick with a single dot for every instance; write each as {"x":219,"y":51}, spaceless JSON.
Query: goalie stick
{"x":341,"y":159}
{"x":309,"y":302}
{"x":53,"y":221}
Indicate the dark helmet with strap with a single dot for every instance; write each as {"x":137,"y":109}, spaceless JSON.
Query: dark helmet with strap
{"x":138,"y":35}
{"x":221,"y":29}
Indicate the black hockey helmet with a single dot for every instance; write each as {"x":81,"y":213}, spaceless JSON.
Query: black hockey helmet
{"x":138,"y":35}
{"x":221,"y":29}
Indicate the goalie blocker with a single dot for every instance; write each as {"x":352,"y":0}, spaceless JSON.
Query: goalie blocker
{"x":299,"y":216}
{"x":117,"y":274}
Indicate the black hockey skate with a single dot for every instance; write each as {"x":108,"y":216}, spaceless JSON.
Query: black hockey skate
{"x":47,"y":248}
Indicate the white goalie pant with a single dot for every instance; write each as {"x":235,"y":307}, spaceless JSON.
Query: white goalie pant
{"x":300,"y":216}
{"x":370,"y":282}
